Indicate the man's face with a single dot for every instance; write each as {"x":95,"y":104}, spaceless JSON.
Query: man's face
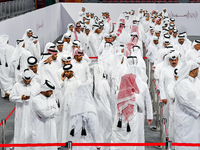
{"x":99,"y":31}
{"x":88,"y":22}
{"x":170,"y":32}
{"x":147,"y":19}
{"x":34,"y":68}
{"x":74,"y":46}
{"x":87,"y":32}
{"x":164,"y":10}
{"x":196,"y":71}
{"x":153,"y":20}
{"x":54,"y":57}
{"x":67,"y":40}
{"x":71,"y":28}
{"x":48,"y":93}
{"x":114,"y":38}
{"x":133,"y":13}
{"x":92,"y":16}
{"x":78,"y":58}
{"x":152,"y":32}
{"x":175,"y":35}
{"x":78,"y":30}
{"x":60,"y":48}
{"x":108,"y":39}
{"x":155,"y":42}
{"x":159,"y":22}
{"x":107,"y":15}
{"x":69,"y":74}
{"x":165,"y":45}
{"x":82,"y":29}
{"x":27,"y":82}
{"x":66,"y":62}
{"x":29,"y":34}
{"x":197,"y":47}
{"x":181,"y":41}
{"x":158,"y":34}
{"x":173,"y":62}
{"x":83,"y":9}
{"x":87,"y":15}
{"x":23,"y":45}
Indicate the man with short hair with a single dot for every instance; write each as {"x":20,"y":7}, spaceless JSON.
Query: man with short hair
{"x":22,"y":95}
{"x":44,"y":112}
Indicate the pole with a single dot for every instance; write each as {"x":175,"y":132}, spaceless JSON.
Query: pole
{"x":3,"y":133}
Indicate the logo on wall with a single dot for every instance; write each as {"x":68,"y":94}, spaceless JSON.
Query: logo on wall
{"x":39,"y":25}
{"x":188,"y":15}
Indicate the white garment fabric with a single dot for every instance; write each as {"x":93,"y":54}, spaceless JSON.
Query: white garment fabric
{"x":44,"y":111}
{"x":23,"y":121}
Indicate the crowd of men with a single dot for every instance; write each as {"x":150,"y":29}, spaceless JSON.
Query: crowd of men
{"x":62,"y":95}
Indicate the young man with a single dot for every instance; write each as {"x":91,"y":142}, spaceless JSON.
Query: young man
{"x":22,"y":95}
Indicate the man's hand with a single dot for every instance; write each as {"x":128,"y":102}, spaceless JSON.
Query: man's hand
{"x":149,"y":121}
{"x":164,"y":101}
{"x":24,"y":97}
{"x":63,"y":78}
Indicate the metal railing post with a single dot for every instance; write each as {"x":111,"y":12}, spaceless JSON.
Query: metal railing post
{"x":3,"y":133}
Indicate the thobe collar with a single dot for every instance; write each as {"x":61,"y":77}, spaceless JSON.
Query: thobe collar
{"x":44,"y":97}
{"x":192,"y":79}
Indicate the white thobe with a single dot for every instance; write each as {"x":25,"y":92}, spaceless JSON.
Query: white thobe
{"x":186,"y":112}
{"x":22,"y":128}
{"x":167,"y":76}
{"x":34,"y":49}
{"x":80,"y":37}
{"x":82,"y":70}
{"x":63,"y":124}
{"x":44,"y":111}
{"x":7,"y":76}
{"x":93,"y":46}
{"x":91,"y":127}
{"x":68,"y":47}
{"x":108,"y":26}
{"x":104,"y":113}
{"x":182,"y":49}
{"x":171,"y":95}
{"x":120,"y":135}
{"x":144,"y":90}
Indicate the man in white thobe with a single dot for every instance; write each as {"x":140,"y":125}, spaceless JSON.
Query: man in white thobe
{"x":81,"y":66}
{"x":7,"y":76}
{"x":69,"y":84}
{"x":83,"y":118}
{"x":44,"y":112}
{"x":194,"y":53}
{"x":187,"y":106}
{"x":129,"y":102}
{"x":172,"y":61}
{"x":22,"y":95}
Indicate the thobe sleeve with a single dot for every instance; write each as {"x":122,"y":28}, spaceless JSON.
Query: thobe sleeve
{"x":162,"y":85}
{"x":43,"y":110}
{"x":15,"y":96}
{"x":94,"y":45}
{"x":182,"y":93}
{"x":94,"y":128}
{"x":148,"y":103}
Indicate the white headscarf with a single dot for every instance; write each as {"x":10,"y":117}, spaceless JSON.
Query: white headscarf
{"x":3,"y":42}
{"x":185,"y":69}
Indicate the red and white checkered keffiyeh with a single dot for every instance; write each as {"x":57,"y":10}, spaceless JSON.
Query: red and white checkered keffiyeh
{"x":126,"y":96}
